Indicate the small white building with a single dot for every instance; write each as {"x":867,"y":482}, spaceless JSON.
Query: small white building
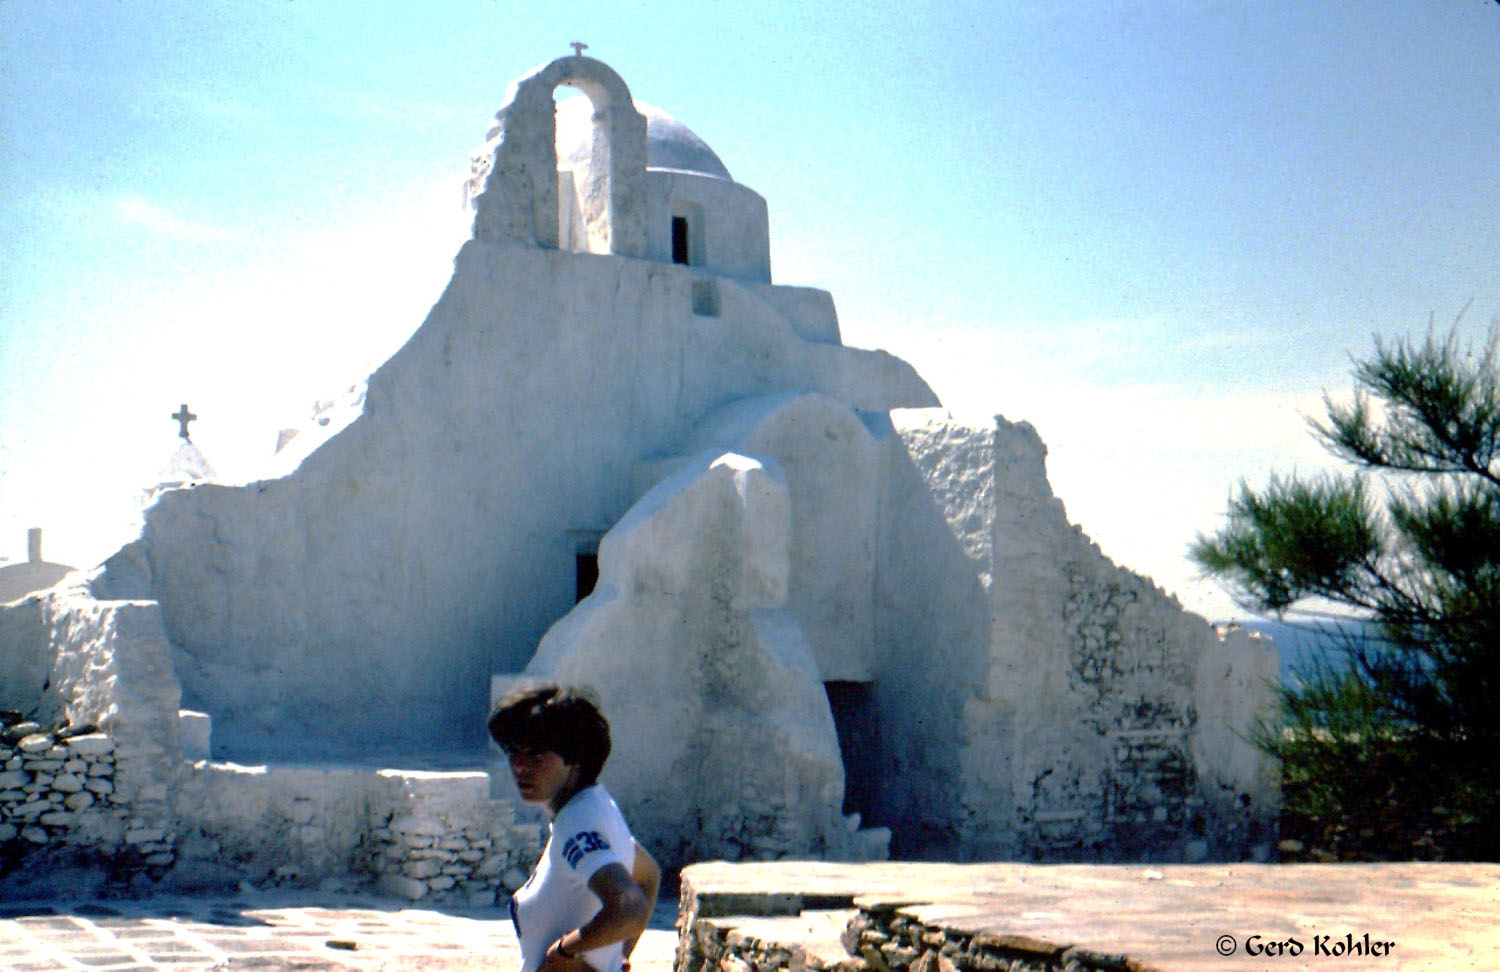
{"x":616,"y":453}
{"x":32,"y":574}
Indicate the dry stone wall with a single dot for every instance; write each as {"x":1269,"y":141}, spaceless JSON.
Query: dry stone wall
{"x":438,"y":837}
{"x":731,"y":933}
{"x":58,"y":797}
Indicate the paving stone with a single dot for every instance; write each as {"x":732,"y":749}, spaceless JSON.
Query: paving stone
{"x":102,"y":958}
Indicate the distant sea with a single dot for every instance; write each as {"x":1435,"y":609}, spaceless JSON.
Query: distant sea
{"x":1302,"y":642}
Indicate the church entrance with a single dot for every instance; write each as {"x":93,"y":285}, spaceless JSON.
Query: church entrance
{"x":860,"y":747}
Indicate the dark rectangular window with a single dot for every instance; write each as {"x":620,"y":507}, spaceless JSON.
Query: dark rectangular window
{"x":679,"y":239}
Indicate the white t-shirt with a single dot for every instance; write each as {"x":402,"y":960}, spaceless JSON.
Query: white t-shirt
{"x":588,"y":833}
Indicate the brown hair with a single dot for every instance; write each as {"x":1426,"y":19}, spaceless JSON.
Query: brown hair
{"x":551,"y":718}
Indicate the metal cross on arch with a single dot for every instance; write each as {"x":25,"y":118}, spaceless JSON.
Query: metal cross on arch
{"x":578,"y":48}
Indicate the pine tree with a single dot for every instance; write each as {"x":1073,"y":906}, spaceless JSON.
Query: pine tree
{"x":1393,"y":751}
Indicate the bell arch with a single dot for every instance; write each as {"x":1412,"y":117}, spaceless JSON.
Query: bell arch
{"x":520,"y":201}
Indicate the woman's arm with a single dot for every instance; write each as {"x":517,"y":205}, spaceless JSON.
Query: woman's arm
{"x":647,"y":876}
{"x":623,"y":916}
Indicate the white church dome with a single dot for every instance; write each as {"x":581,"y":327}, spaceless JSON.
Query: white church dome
{"x":669,"y":143}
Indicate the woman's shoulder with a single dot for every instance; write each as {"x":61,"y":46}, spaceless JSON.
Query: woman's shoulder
{"x":593,"y":806}
{"x":590,"y":801}
{"x":591,"y":822}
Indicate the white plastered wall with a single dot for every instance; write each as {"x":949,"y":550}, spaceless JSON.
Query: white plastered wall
{"x":724,"y":745}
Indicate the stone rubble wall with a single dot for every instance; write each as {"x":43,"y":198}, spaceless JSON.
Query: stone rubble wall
{"x":437,"y":836}
{"x":108,"y":667}
{"x":886,"y":940}
{"x":59,"y":796}
{"x":750,"y":928}
{"x":433,"y":837}
{"x":877,"y":938}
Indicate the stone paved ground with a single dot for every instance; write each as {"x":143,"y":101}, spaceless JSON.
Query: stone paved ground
{"x":1441,"y":917}
{"x":326,"y":933}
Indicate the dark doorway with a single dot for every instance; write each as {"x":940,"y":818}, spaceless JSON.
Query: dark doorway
{"x":679,"y":239}
{"x":858,"y":728}
{"x":587,"y":567}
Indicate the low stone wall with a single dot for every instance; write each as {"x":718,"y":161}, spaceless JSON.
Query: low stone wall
{"x":811,"y":915}
{"x":876,"y":938}
{"x":437,"y":836}
{"x":58,"y":794}
{"x":56,"y":787}
{"x":1018,"y":917}
{"x":885,"y":940}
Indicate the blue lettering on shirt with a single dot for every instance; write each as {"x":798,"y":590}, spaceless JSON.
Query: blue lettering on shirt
{"x":581,"y":843}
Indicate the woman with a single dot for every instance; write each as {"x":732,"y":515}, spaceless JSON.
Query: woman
{"x":591,"y":894}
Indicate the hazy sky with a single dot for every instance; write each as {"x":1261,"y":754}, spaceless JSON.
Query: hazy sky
{"x":1155,"y":229}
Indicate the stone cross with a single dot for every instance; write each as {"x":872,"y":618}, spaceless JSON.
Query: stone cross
{"x":578,"y":48}
{"x":183,"y":417}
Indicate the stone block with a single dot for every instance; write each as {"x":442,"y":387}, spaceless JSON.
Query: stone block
{"x":56,"y":752}
{"x":160,"y":860}
{"x":401,"y":886}
{"x":145,"y":835}
{"x":36,"y":835}
{"x":44,"y":765}
{"x":12,"y":796}
{"x":480,"y":896}
{"x":99,"y":785}
{"x":56,"y":818}
{"x":68,"y":783}
{"x":39,"y":782}
{"x":419,"y":826}
{"x":79,"y":801}
{"x":20,"y":730}
{"x":7,"y":832}
{"x":432,"y":854}
{"x":75,"y":765}
{"x":421,"y":869}
{"x":513,"y":879}
{"x":93,"y":744}
{"x":12,"y":779}
{"x":442,"y":882}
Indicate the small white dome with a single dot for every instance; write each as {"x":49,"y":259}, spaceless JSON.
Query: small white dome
{"x":669,"y":143}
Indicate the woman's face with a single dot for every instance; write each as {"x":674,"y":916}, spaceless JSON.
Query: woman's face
{"x":539,"y":775}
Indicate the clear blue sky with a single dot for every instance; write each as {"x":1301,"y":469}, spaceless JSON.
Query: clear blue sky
{"x":1156,"y":230}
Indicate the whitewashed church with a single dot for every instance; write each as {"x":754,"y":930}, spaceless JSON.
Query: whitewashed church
{"x":823,"y":619}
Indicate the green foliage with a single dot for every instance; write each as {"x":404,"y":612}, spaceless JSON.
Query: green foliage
{"x":1392,"y":754}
